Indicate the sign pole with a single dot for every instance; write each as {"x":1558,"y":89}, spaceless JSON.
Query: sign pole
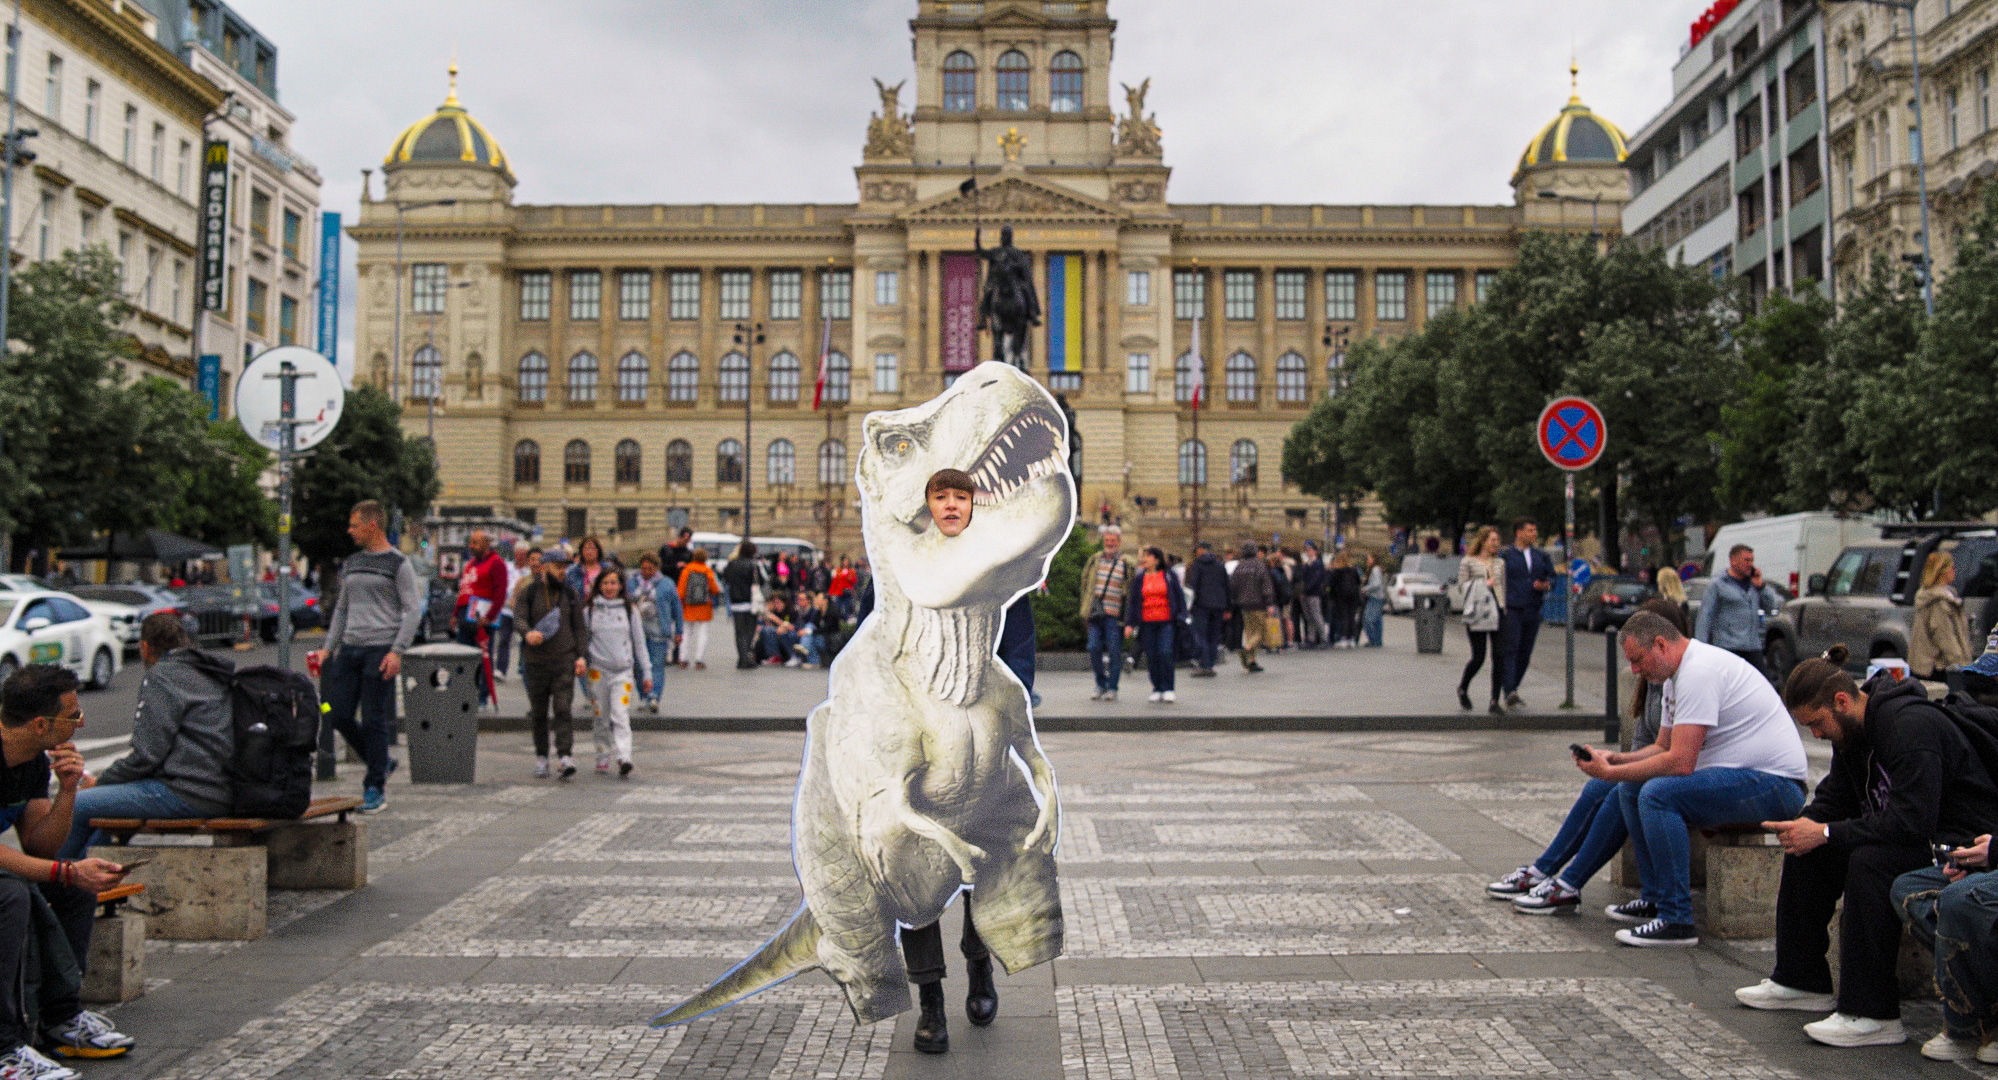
{"x":287,"y":377}
{"x":1567,"y":556}
{"x":1571,"y":434}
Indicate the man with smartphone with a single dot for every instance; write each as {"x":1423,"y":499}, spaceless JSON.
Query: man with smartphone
{"x":1948,"y":908}
{"x":1736,"y":607}
{"x":46,"y":904}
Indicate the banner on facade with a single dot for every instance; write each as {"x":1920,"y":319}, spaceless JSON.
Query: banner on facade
{"x":214,"y":225}
{"x":960,"y":312}
{"x":329,"y":287}
{"x":208,"y":380}
{"x":1065,"y":313}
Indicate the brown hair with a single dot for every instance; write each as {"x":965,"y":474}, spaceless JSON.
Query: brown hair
{"x":1813,"y":683}
{"x":163,"y":632}
{"x":371,"y":512}
{"x":591,"y":539}
{"x":1478,"y":544}
{"x":950,"y":480}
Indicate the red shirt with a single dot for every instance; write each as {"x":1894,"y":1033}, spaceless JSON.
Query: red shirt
{"x":842,"y":580}
{"x":1158,"y":606}
{"x":484,"y":579}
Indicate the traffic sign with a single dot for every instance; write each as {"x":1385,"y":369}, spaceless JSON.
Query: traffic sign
{"x":1571,"y":433}
{"x":1579,"y":573}
{"x":259,"y":403}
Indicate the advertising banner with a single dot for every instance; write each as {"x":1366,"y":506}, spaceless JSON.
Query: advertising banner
{"x":208,"y":380}
{"x":1065,"y":314}
{"x":214,"y":225}
{"x":960,"y":312}
{"x":329,"y":287}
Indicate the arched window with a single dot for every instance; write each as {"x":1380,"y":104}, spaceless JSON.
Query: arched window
{"x":784,"y":376}
{"x":532,"y":385}
{"x":527,"y":462}
{"x":1293,"y":380}
{"x":1185,"y":373}
{"x":582,"y":377}
{"x":960,"y":74}
{"x":1241,"y":376}
{"x":1065,"y":82}
{"x":1014,"y":71}
{"x":734,"y":377}
{"x":1192,"y":462}
{"x":633,"y":376}
{"x":576,"y":462}
{"x":679,"y":462}
{"x":781,"y":460}
{"x":683,"y":377}
{"x":839,"y":377}
{"x":426,"y":373}
{"x":832,"y":462}
{"x":626,"y":458}
{"x":1242,"y":459}
{"x":728,"y":462}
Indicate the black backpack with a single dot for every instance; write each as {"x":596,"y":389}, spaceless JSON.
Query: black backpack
{"x":1976,"y":721}
{"x":276,"y":721}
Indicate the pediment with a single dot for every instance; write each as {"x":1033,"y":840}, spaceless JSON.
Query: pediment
{"x":1014,"y":198}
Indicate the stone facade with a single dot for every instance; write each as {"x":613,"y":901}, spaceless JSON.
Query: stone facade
{"x":626,"y":316}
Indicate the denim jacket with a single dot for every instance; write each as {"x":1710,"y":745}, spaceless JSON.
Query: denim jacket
{"x":1732,"y":613}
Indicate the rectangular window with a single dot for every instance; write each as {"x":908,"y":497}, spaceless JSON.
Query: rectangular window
{"x":182,"y":168}
{"x":836,"y":294}
{"x":52,"y":90}
{"x":1391,"y":295}
{"x":787,"y":293}
{"x":1776,"y":192}
{"x":1806,"y":175}
{"x":1290,"y":287}
{"x":1983,"y":100}
{"x":627,"y":519}
{"x":46,"y":227}
{"x":1748,"y":129}
{"x":1238,"y":292}
{"x":1342,"y":295}
{"x":1749,"y":210}
{"x":887,"y":287}
{"x":1439,"y":288}
{"x":131,"y":142}
{"x":255,"y":307}
{"x":887,"y":373}
{"x":575,"y":522}
{"x":683,"y":294}
{"x":1138,"y":288}
{"x":149,"y":290}
{"x":1800,"y":84}
{"x":427,"y":286}
{"x":1845,"y":171}
{"x":124,"y":246}
{"x":586,"y":295}
{"x":294,"y":227}
{"x":1189,"y":294}
{"x":260,"y":214}
{"x":158,"y":171}
{"x":1949,"y":118}
{"x":1487,"y":279}
{"x":86,"y":228}
{"x":287,"y":320}
{"x":93,"y":101}
{"x":1138,"y":373}
{"x":179,"y":288}
{"x":735,"y":285}
{"x":536,"y":287}
{"x":634,"y":295}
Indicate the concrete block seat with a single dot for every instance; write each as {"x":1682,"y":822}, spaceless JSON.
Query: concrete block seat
{"x":1744,"y":867}
{"x":115,"y":971}
{"x":215,"y":892}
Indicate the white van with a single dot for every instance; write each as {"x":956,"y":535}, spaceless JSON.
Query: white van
{"x":720,"y":546}
{"x":1790,"y":548}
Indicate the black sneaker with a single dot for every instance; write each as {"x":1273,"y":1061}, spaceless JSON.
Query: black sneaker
{"x":1659,"y":934}
{"x":1633,"y":912}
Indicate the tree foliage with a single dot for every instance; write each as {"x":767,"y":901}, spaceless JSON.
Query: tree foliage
{"x":366,"y":457}
{"x":1056,"y":625}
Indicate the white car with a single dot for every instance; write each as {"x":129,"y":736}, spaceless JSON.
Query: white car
{"x":1404,"y":588}
{"x":124,"y":618}
{"x":49,"y":627}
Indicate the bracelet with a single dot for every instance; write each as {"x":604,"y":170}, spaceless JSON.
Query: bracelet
{"x":58,"y":870}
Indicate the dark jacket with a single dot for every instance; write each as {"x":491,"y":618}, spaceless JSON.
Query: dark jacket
{"x":1343,"y":582}
{"x":1280,"y":584}
{"x":1906,"y":778}
{"x":674,"y":558}
{"x":569,"y":643}
{"x":1522,"y":569}
{"x":184,"y":733}
{"x":1134,"y":599}
{"x":1207,"y":578}
{"x":1249,"y":586}
{"x":1311,"y":577}
{"x":739,"y":579}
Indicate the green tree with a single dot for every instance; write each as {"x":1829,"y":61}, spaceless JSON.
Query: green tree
{"x":1943,"y":409}
{"x":1836,"y":457}
{"x":223,"y":503}
{"x":1056,"y":625}
{"x":366,"y":457}
{"x":1761,"y":417}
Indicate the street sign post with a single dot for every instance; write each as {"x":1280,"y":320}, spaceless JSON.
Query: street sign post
{"x":1571,"y":434}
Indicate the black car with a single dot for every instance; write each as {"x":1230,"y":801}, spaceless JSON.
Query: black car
{"x":218,"y":615}
{"x":305,"y":613}
{"x":1607,"y":602}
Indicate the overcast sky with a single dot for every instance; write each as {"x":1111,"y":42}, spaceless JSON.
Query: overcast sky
{"x":643,"y":101}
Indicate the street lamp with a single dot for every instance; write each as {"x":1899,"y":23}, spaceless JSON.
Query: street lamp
{"x":395,"y":366}
{"x":1921,"y":145}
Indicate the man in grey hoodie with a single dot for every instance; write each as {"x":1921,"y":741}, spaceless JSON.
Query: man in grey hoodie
{"x":374,"y":622}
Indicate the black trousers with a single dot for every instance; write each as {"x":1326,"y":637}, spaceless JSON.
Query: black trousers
{"x":923,"y":952}
{"x":1344,"y":617}
{"x":1481,"y":641}
{"x":550,"y":687}
{"x":745,"y":638}
{"x":41,"y":975}
{"x":1869,"y":939}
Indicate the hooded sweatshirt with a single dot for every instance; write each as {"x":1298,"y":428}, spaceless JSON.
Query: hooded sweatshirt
{"x":1906,"y":778}
{"x":617,"y":639}
{"x":184,"y":732}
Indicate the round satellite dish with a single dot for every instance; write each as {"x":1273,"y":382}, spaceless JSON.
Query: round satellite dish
{"x":316,"y":404}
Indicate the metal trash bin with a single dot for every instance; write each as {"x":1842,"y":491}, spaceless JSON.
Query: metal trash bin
{"x":1430,"y":610}
{"x":440,"y":705}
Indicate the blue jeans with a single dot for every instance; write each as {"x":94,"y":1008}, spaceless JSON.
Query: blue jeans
{"x":1370,"y":619}
{"x":148,"y":798}
{"x":812,"y":641}
{"x":1208,"y":627}
{"x":1106,"y":650}
{"x":1155,"y":638}
{"x":1590,"y":837}
{"x":1960,"y":923}
{"x":502,"y":635}
{"x":1658,"y":812}
{"x":655,"y":651}
{"x":776,"y":644}
{"x":353,"y":678}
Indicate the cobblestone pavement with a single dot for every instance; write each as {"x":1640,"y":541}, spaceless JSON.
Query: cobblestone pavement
{"x":1268,"y":905}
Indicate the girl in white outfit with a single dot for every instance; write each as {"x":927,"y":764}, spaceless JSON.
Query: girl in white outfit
{"x":617,"y":644}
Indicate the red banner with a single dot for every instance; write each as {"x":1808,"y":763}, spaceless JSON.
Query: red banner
{"x":960,"y":312}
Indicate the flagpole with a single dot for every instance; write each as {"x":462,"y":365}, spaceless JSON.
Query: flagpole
{"x":825,"y":482}
{"x":1199,"y":450}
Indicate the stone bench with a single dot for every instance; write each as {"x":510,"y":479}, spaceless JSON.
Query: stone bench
{"x":1744,"y":868}
{"x":115,"y":970}
{"x":215,"y":892}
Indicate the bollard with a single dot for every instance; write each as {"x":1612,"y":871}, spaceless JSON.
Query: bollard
{"x":1612,"y":727}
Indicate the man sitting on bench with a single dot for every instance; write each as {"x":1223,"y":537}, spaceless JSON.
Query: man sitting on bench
{"x":40,"y":950}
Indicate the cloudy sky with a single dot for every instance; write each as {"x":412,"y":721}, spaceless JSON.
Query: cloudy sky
{"x":641,"y":101}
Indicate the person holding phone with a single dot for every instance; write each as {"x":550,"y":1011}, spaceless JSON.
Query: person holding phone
{"x":1736,"y":606}
{"x":1948,"y":908}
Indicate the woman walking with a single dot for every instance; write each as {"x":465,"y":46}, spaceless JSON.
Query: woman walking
{"x":1940,"y":639}
{"x":588,"y":565}
{"x":698,"y":589}
{"x":617,"y":648}
{"x":1672,"y":590}
{"x":1343,"y":586}
{"x":1481,"y":577}
{"x":1154,"y":609}
{"x":1376,"y":599}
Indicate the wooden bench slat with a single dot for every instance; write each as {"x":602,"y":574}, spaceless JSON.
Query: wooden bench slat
{"x":119,"y":892}
{"x":318,"y":808}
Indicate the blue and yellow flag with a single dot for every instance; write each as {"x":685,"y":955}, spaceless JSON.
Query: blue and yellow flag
{"x":1065,"y":313}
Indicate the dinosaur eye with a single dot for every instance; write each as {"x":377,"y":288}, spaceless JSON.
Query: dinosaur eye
{"x":895,"y":444}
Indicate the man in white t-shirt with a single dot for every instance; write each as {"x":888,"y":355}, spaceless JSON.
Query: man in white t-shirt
{"x":1727,"y":752}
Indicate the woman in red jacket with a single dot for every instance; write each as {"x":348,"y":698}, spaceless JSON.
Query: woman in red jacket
{"x":1154,"y":609}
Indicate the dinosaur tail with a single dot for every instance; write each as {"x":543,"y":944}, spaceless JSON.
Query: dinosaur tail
{"x":792,"y":951}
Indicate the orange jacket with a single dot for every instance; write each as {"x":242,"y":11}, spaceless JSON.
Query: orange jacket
{"x":699,"y":612}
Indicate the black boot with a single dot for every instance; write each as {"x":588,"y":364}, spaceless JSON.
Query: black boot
{"x":1464,"y":697}
{"x":932,"y":1034}
{"x":981,"y":1002}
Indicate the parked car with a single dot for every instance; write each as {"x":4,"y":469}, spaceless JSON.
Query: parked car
{"x":1866,"y":601}
{"x":1404,"y":588}
{"x":124,"y":617}
{"x":142,"y":598}
{"x":218,"y":616}
{"x":1607,"y":602}
{"x":305,"y":613}
{"x":42,"y":626}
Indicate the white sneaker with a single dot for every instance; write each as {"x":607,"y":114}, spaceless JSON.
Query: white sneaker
{"x":499,"y":676}
{"x":1988,"y":1053}
{"x":603,"y":764}
{"x":1945,"y":1047}
{"x":1156,"y":696}
{"x":1838,"y":1029}
{"x":1770,"y":994}
{"x":1168,"y":697}
{"x":541,"y":768}
{"x":568,"y":766}
{"x":1517,"y":883}
{"x":27,"y":1063}
{"x":793,"y":662}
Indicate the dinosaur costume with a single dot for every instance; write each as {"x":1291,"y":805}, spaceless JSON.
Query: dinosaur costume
{"x":922,"y":772}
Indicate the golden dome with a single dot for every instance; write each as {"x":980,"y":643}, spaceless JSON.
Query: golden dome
{"x":1577,"y":134}
{"x":449,"y":135}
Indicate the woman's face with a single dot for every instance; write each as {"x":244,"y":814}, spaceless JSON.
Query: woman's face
{"x":1948,"y":573}
{"x":612,"y":585}
{"x":1146,"y":561}
{"x":590,"y":552}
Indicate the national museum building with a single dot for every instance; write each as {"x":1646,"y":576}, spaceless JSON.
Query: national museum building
{"x":581,"y":366}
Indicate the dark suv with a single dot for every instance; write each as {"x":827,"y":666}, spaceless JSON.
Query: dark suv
{"x":1867,"y":600}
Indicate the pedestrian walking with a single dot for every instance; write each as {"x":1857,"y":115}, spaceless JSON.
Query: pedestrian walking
{"x":1154,"y":611}
{"x":552,"y":659}
{"x":589,"y":563}
{"x":743,"y":580}
{"x":518,"y":570}
{"x":674,"y":558}
{"x":1736,"y":607}
{"x":1481,"y":581}
{"x":1254,"y":601}
{"x":1285,"y":594}
{"x":1374,"y":600}
{"x":1103,"y":612}
{"x":659,"y":612}
{"x":1311,"y":581}
{"x":374,"y":621}
{"x":1343,"y":586}
{"x":481,"y":594}
{"x":1939,"y":640}
{"x":1207,"y":580}
{"x":616,"y":656}
{"x":698,"y":589}
{"x":1529,"y":573}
